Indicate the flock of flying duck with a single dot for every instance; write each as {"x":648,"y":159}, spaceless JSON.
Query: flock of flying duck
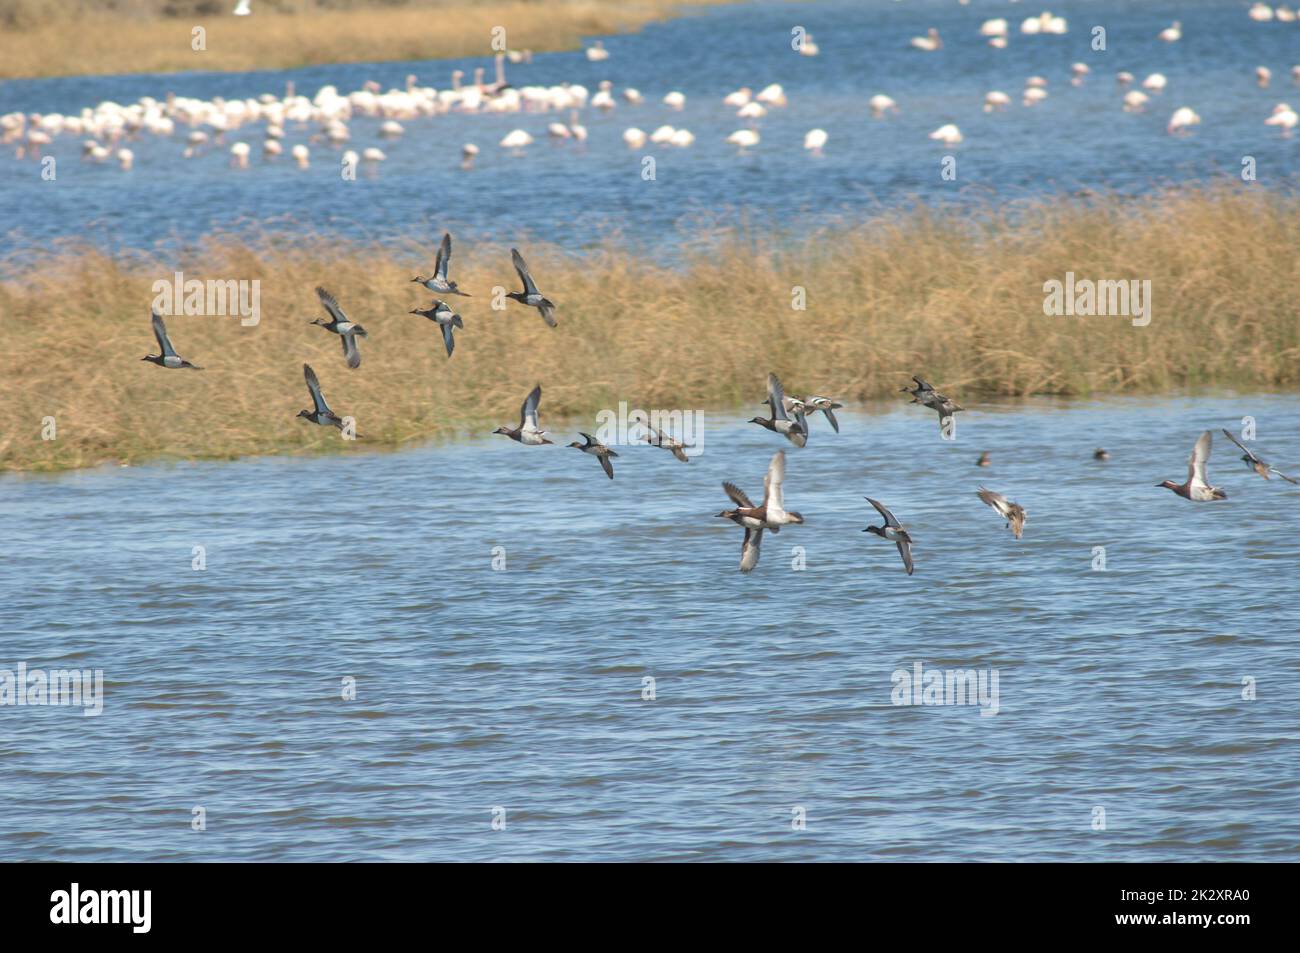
{"x":109,"y":127}
{"x":788,"y":417}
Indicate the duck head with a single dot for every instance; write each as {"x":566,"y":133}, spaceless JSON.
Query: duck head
{"x":1169,"y":485}
{"x":878,"y":530}
{"x":794,"y":517}
{"x":305,"y":413}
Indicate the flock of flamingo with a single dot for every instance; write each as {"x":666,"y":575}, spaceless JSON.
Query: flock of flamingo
{"x":204,"y":124}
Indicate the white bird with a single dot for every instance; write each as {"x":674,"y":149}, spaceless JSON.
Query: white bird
{"x":772,"y":95}
{"x":751,"y":110}
{"x":239,"y":155}
{"x":300,"y":155}
{"x":1172,"y":34}
{"x":928,"y":43}
{"x":744,"y":138}
{"x":1263,"y":75}
{"x":373,"y":155}
{"x":808,"y":47}
{"x":126,"y":158}
{"x":1284,"y":116}
{"x":1079,"y":72}
{"x":948,"y":134}
{"x":597,"y":52}
{"x":815,"y":140}
{"x":996,"y":27}
{"x":662,"y":134}
{"x":996,"y":99}
{"x":242,"y":8}
{"x":1135,"y":101}
{"x":998,"y":42}
{"x":675,"y":100}
{"x":633,"y":96}
{"x":1156,"y":82}
{"x":681,"y":138}
{"x":391,"y":129}
{"x":467,"y":153}
{"x":881,"y":104}
{"x":516,"y":140}
{"x":740,"y":97}
{"x":1124,"y":77}
{"x":634,"y":138}
{"x":271,"y":148}
{"x":1033,"y":95}
{"x":1182,"y":120}
{"x":1261,"y":13}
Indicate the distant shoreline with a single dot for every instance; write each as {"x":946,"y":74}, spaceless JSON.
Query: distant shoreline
{"x":958,"y":297}
{"x":36,"y":44}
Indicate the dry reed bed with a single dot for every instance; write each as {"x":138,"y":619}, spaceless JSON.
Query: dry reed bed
{"x":86,"y":40}
{"x":957,"y":298}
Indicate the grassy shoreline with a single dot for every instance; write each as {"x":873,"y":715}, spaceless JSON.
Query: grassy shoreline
{"x":955,"y":297}
{"x":138,"y":36}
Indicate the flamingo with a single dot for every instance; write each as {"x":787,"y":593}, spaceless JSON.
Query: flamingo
{"x":815,"y":141}
{"x":928,"y":43}
{"x":1182,"y":120}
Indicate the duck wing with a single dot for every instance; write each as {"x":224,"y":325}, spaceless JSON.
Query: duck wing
{"x":773,"y":497}
{"x":528,"y":412}
{"x":1200,"y":456}
{"x":884,"y":511}
{"x":448,"y":339}
{"x":749,"y":549}
{"x":737,"y":495}
{"x":351,"y":353}
{"x":160,"y":332}
{"x":547,"y":309}
{"x":522,"y":267}
{"x":605,"y":464}
{"x":776,"y":398}
{"x":444,"y":257}
{"x":331,"y":306}
{"x":995,"y":500}
{"x":830,"y":416}
{"x":313,"y":386}
{"x":905,"y":550}
{"x":1249,"y":454}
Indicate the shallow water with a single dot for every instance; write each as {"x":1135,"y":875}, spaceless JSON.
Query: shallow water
{"x":1079,"y":138}
{"x":521,"y":688}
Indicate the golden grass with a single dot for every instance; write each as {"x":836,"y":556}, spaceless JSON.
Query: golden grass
{"x":954,"y":297}
{"x":44,"y":40}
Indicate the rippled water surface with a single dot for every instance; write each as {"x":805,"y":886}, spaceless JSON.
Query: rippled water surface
{"x":522,"y":687}
{"x":1079,"y":138}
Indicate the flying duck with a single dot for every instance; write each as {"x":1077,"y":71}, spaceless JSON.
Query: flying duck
{"x":894,"y":532}
{"x":927,"y":396}
{"x":442,"y":315}
{"x":1197,"y":488}
{"x":754,"y":519}
{"x":341,"y":325}
{"x":527,"y":432}
{"x":1013,"y":513}
{"x":597,"y":450}
{"x":321,"y":414}
{"x":984,"y":460}
{"x":1101,"y":453}
{"x":796,"y":430}
{"x":168,"y":357}
{"x":1256,"y":464}
{"x":660,"y":439}
{"x":530,"y":295}
{"x":826,"y":406}
{"x":439,"y":282}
